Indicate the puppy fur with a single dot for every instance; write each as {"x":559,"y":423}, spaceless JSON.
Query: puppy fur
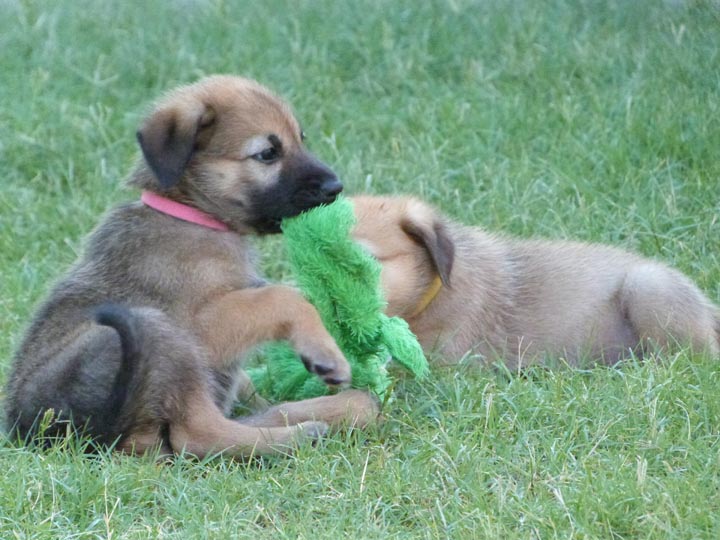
{"x":526,"y":300}
{"x":142,"y":341}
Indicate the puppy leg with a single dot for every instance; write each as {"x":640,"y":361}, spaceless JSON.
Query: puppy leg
{"x":247,"y":395}
{"x":354,"y":408}
{"x":174,"y":397}
{"x":143,"y":440}
{"x":665,"y":307}
{"x":204,"y":430}
{"x":71,"y":378}
{"x":238,"y":321}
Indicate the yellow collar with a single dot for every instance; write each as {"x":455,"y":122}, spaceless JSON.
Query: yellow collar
{"x":428,"y":297}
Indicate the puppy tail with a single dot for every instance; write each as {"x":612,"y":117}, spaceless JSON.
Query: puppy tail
{"x":127,"y":325}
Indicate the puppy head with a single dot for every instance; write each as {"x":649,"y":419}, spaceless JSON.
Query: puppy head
{"x":229,"y":147}
{"x":412,"y":243}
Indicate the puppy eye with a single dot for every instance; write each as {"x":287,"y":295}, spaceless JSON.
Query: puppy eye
{"x":267,"y":156}
{"x":302,"y":135}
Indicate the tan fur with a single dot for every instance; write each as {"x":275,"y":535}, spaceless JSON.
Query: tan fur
{"x":187,"y":297}
{"x":522,"y":300}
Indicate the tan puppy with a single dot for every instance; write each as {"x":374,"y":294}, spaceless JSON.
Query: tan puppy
{"x":463,"y":290}
{"x":142,"y":340}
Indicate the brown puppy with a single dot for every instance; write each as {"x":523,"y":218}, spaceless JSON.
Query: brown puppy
{"x":142,"y":340}
{"x":463,"y":290}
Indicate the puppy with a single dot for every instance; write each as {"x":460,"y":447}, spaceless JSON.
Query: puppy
{"x":142,"y":341}
{"x":463,"y":290}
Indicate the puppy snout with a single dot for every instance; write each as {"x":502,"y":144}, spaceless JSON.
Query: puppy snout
{"x":308,"y":183}
{"x":331,"y":187}
{"x":322,"y":182}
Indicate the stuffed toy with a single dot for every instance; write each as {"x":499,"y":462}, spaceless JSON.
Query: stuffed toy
{"x":342,"y":281}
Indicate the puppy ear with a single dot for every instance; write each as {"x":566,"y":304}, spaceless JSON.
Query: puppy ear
{"x":169,"y":136}
{"x":432,"y":234}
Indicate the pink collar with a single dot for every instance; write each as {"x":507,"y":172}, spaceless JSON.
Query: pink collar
{"x":181,"y":211}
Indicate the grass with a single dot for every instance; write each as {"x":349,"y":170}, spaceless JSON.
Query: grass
{"x":587,"y":119}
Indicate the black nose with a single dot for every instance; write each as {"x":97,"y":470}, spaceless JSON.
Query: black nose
{"x":331,"y":187}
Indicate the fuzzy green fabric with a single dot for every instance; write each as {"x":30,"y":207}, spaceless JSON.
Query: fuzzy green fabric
{"x":342,"y":281}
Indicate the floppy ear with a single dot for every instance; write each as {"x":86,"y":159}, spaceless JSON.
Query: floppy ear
{"x":169,"y":136}
{"x":432,"y":234}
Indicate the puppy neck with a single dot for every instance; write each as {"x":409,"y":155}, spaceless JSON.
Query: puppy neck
{"x":428,"y":296}
{"x":181,"y":211}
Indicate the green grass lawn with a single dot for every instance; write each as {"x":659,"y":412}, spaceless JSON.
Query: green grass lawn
{"x":584,"y":119}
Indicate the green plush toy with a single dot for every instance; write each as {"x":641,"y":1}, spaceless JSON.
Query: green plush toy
{"x":342,"y":281}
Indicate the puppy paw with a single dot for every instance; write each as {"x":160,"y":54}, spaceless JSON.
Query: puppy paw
{"x":361,"y":408}
{"x":312,"y":430}
{"x":331,"y":367}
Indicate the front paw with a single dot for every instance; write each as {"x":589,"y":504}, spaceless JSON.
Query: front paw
{"x":331,"y":367}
